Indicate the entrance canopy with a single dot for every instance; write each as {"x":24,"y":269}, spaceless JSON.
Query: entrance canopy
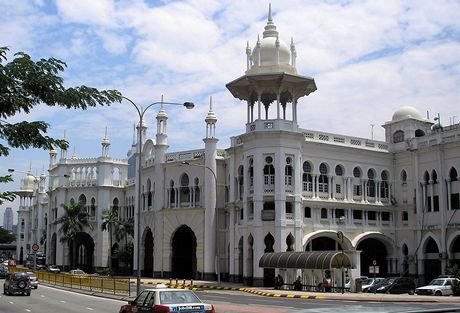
{"x":323,"y":260}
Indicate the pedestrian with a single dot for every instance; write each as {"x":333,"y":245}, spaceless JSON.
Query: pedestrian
{"x":298,"y":284}
{"x":279,"y":281}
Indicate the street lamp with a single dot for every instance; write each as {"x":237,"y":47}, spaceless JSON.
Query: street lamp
{"x":141,"y":111}
{"x":340,"y":236}
{"x":217,"y":219}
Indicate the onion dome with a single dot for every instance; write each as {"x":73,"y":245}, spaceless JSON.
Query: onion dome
{"x":407,"y":112}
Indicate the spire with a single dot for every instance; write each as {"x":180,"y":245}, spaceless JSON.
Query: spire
{"x":270,"y":28}
{"x":74,"y":155}
{"x":105,"y":144}
{"x":211,"y":121}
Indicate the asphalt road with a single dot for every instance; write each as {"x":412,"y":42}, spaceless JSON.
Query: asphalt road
{"x":51,"y":300}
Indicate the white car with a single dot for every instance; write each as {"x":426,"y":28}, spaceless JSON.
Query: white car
{"x":438,"y":287}
{"x":369,"y":282}
{"x":162,"y":299}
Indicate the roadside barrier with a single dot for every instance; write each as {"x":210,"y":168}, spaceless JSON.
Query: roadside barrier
{"x":103,"y":284}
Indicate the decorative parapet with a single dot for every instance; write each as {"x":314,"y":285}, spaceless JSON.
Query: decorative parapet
{"x":353,"y":142}
{"x":191,"y":155}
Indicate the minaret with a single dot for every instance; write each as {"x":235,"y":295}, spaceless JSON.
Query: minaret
{"x":105,"y":145}
{"x":210,"y":192}
{"x":53,"y":155}
{"x":64,"y":151}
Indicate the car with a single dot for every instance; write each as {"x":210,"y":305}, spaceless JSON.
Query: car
{"x":77,"y":272}
{"x":3,"y":272}
{"x":163,"y":299}
{"x":396,"y":285}
{"x":438,"y":287}
{"x":33,"y":280}
{"x":18,"y":282}
{"x":367,"y":283}
{"x":53,"y":269}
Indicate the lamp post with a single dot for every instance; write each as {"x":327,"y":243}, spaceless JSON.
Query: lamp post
{"x":141,"y":111}
{"x":340,"y":236}
{"x":217,"y":218}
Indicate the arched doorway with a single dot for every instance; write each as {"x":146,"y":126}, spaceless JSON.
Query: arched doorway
{"x":455,"y":253}
{"x":373,"y":250}
{"x":148,"y":253}
{"x":269,"y":273}
{"x":183,"y":261}
{"x":82,"y":252}
{"x":323,"y":244}
{"x":432,"y":263}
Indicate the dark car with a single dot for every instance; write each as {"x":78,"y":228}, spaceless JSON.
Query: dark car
{"x":3,"y":272}
{"x":396,"y":285}
{"x":17,"y":283}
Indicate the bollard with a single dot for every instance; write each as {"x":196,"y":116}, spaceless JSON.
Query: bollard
{"x":170,"y":282}
{"x":191,"y":283}
{"x":176,"y":281}
{"x":184,"y":282}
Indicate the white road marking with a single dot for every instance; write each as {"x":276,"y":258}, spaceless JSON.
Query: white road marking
{"x":83,"y":295}
{"x":62,"y":301}
{"x":42,"y":296}
{"x":27,"y":310}
{"x":90,"y":309}
{"x":11,"y":302}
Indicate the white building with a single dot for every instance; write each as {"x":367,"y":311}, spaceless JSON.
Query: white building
{"x":277,"y":188}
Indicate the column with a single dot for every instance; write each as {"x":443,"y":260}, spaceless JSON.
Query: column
{"x":449,"y":186}
{"x":431,"y":195}
{"x":329,"y":186}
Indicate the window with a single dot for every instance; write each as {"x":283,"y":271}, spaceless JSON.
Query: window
{"x":307,"y":212}
{"x":435,"y":203}
{"x":323,"y":182}
{"x":357,"y":214}
{"x":398,"y":136}
{"x":405,"y":216}
{"x":251,"y":172}
{"x":289,"y":209}
{"x":339,"y":170}
{"x":419,"y":133}
{"x":371,"y":215}
{"x":454,"y":201}
{"x":288,"y":172}
{"x":403,"y":176}
{"x":323,"y":213}
{"x":269,"y":171}
{"x":338,"y":188}
{"x":434,"y":176}
{"x":307,"y":179}
{"x":453,"y":174}
{"x":357,"y":172}
{"x":385,"y":216}
{"x":357,"y":190}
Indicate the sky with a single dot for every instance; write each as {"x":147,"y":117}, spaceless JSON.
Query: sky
{"x":368,"y":58}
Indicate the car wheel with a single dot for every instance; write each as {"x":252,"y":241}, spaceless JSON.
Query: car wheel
{"x":5,"y":291}
{"x":28,"y":293}
{"x":411,"y":291}
{"x":22,"y":284}
{"x":438,"y":293}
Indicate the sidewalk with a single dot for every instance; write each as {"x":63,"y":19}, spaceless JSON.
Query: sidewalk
{"x":270,"y":292}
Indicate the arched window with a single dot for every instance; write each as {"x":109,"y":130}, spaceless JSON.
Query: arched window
{"x":115,"y":206}
{"x":339,"y":170}
{"x":307,"y":179}
{"x":269,"y":171}
{"x":398,"y":136}
{"x":419,"y":133}
{"x":453,"y":174}
{"x":370,"y":183}
{"x":149,"y":193}
{"x":241,"y":181}
{"x":357,"y":188}
{"x":288,"y":172}
{"x":93,"y":208}
{"x":357,"y":172}
{"x":82,"y":199}
{"x":172,"y":193}
{"x":323,"y":213}
{"x":426,"y":177}
{"x":323,"y":181}
{"x":197,"y":191}
{"x":251,"y":172}
{"x":184,"y":189}
{"x":434,"y":176}
{"x":384,"y":190}
{"x":404,"y":176}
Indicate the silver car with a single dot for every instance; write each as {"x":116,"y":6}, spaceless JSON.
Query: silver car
{"x":33,"y":280}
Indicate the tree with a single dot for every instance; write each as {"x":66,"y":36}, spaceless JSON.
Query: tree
{"x":24,"y":84}
{"x":6,"y":236}
{"x":125,"y":251}
{"x":110,"y":222}
{"x":73,"y":221}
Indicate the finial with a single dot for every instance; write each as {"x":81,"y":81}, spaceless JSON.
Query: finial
{"x":258,"y":40}
{"x":161,"y":102}
{"x":270,"y":19}
{"x":210,"y":103}
{"x":105,"y":132}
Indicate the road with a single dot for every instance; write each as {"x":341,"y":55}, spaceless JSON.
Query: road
{"x":49,"y":300}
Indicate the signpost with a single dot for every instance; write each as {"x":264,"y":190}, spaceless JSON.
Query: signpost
{"x":35,"y":248}
{"x":374,"y":269}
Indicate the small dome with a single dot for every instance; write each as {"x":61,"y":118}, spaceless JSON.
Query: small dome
{"x":28,"y":182}
{"x":268,"y":54}
{"x":406,"y":112}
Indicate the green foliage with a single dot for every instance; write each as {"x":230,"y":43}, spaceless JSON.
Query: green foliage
{"x":73,"y":221}
{"x":24,"y":84}
{"x":6,"y":236}
{"x":7,"y":195}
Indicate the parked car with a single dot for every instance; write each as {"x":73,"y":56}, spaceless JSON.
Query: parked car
{"x":3,"y":271}
{"x":367,"y":283}
{"x":33,"y":280}
{"x":53,"y":269}
{"x":77,"y":272}
{"x":396,"y":285}
{"x":438,"y":287}
{"x":18,"y":282}
{"x":162,"y":299}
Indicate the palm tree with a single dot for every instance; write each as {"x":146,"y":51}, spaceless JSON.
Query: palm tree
{"x":73,"y":221}
{"x":110,"y":222}
{"x":122,"y":230}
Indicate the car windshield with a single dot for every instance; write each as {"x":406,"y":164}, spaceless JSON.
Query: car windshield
{"x":174,"y":297}
{"x":436,"y":282}
{"x":18,"y":276}
{"x":31,"y":275}
{"x":387,"y":281}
